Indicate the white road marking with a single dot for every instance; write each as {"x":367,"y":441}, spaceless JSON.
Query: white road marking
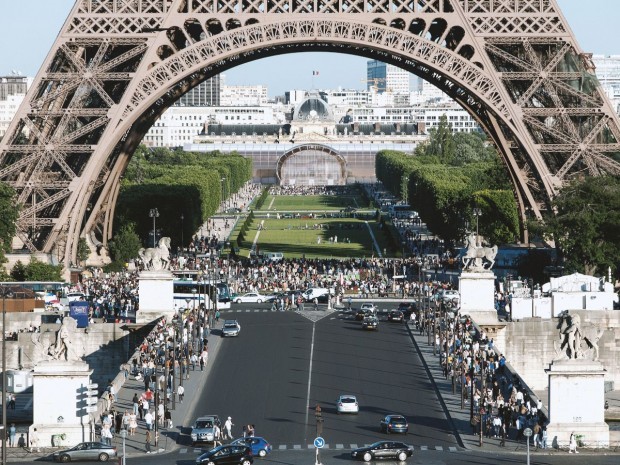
{"x":183,"y":451}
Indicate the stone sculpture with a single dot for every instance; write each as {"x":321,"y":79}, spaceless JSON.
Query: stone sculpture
{"x":475,"y":255}
{"x":156,"y":258}
{"x":576,"y":342}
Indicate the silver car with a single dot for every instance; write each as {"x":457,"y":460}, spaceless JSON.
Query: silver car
{"x":203,"y":429}
{"x":231,"y":328}
{"x":86,"y":451}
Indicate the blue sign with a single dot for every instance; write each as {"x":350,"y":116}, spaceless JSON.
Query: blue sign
{"x":78,"y":309}
{"x":319,"y":442}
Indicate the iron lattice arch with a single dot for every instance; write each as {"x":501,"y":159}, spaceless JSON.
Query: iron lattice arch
{"x":118,"y":64}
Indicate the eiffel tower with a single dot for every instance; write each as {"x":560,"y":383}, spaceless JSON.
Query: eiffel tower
{"x":118,"y":64}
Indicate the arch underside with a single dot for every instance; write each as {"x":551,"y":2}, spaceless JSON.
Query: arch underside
{"x":107,"y":80}
{"x":303,"y":150}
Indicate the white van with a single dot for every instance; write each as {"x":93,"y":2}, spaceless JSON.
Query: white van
{"x":73,"y":296}
{"x":274,"y":256}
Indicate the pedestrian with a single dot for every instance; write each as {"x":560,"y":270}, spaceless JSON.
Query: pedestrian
{"x":543,"y":442}
{"x":316,"y":303}
{"x":148,"y":442}
{"x":217,"y":316}
{"x":136,"y":401}
{"x":133,"y":424}
{"x":228,"y":424}
{"x":34,"y":440}
{"x":12,"y":402}
{"x":536,"y":435}
{"x":217,"y":435}
{"x":572,"y":444}
{"x":202,"y":363}
{"x":148,"y":419}
{"x":181,"y":393}
{"x":12,"y":433}
{"x":168,"y":419}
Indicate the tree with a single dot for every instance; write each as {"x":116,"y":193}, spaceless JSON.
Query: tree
{"x":83,"y":250}
{"x":39,"y":271}
{"x":125,"y":244}
{"x":585,"y":228}
{"x":8,"y":216}
{"x":18,"y":273}
{"x":441,"y":141}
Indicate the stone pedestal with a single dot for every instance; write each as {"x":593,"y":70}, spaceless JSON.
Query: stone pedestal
{"x":577,"y":403}
{"x":156,"y":295}
{"x":59,"y":406}
{"x":477,"y":290}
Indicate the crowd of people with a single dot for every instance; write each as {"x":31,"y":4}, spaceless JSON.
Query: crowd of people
{"x":499,"y":403}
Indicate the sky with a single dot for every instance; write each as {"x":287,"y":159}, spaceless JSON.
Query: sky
{"x":28,"y":29}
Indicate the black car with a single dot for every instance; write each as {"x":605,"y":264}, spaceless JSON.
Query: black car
{"x":361,"y":314}
{"x":383,"y":450}
{"x":394,"y":424}
{"x":396,"y":315}
{"x":370,"y":322}
{"x":407,"y":308}
{"x":227,"y":454}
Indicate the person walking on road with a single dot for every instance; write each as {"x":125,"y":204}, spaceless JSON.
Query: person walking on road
{"x":228,"y":424}
{"x":148,"y":442}
{"x":181,"y":393}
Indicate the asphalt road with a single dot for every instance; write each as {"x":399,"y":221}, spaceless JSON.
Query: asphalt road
{"x":283,"y":364}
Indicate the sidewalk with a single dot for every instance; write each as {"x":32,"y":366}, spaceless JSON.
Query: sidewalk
{"x":459,"y":418}
{"x":181,"y":420}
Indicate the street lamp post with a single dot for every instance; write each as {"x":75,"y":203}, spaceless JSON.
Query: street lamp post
{"x":223,"y":194}
{"x":123,"y":435}
{"x":527,"y":432}
{"x":477,"y":213}
{"x":4,"y":432}
{"x":154,"y":213}
{"x":182,"y":241}
{"x":194,"y":298}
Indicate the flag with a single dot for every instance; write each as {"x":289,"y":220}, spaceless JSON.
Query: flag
{"x":315,"y":73}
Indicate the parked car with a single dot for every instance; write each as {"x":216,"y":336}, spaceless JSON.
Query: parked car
{"x":252,"y":297}
{"x":396,"y":315}
{"x":394,"y":424}
{"x":203,"y":429}
{"x":347,"y":403}
{"x":259,"y":446}
{"x":383,"y":450}
{"x":231,"y":328}
{"x":86,"y":451}
{"x":370,"y":322}
{"x":228,"y":454}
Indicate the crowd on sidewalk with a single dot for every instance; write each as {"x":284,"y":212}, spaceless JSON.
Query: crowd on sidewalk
{"x":166,"y":357}
{"x":500,"y":406}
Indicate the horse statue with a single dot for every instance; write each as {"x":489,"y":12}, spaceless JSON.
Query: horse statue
{"x":475,"y":254}
{"x":156,"y":258}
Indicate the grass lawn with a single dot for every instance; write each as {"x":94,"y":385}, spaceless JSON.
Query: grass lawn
{"x":291,"y":237}
{"x":310,"y":202}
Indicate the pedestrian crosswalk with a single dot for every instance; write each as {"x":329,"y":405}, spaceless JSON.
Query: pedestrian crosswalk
{"x":338,"y":446}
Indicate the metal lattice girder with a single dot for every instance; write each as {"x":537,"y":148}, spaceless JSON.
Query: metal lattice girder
{"x":118,"y":64}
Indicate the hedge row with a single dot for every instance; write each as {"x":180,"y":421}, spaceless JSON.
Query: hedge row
{"x":244,"y":228}
{"x":445,"y":195}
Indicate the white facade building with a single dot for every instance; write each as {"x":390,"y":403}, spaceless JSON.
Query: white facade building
{"x":8,"y":108}
{"x":428,"y":117}
{"x":243,"y":95}
{"x":180,"y":125}
{"x":608,"y":74}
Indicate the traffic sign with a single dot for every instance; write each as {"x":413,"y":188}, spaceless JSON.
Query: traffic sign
{"x":93,"y":386}
{"x":91,"y":409}
{"x":527,"y":432}
{"x":319,"y":442}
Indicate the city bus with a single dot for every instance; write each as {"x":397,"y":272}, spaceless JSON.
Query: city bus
{"x":186,"y":291}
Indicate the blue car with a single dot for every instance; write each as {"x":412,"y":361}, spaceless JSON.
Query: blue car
{"x":259,"y":446}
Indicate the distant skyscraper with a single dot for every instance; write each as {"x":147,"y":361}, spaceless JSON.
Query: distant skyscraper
{"x":13,"y":85}
{"x":205,"y":94}
{"x":386,"y":77}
